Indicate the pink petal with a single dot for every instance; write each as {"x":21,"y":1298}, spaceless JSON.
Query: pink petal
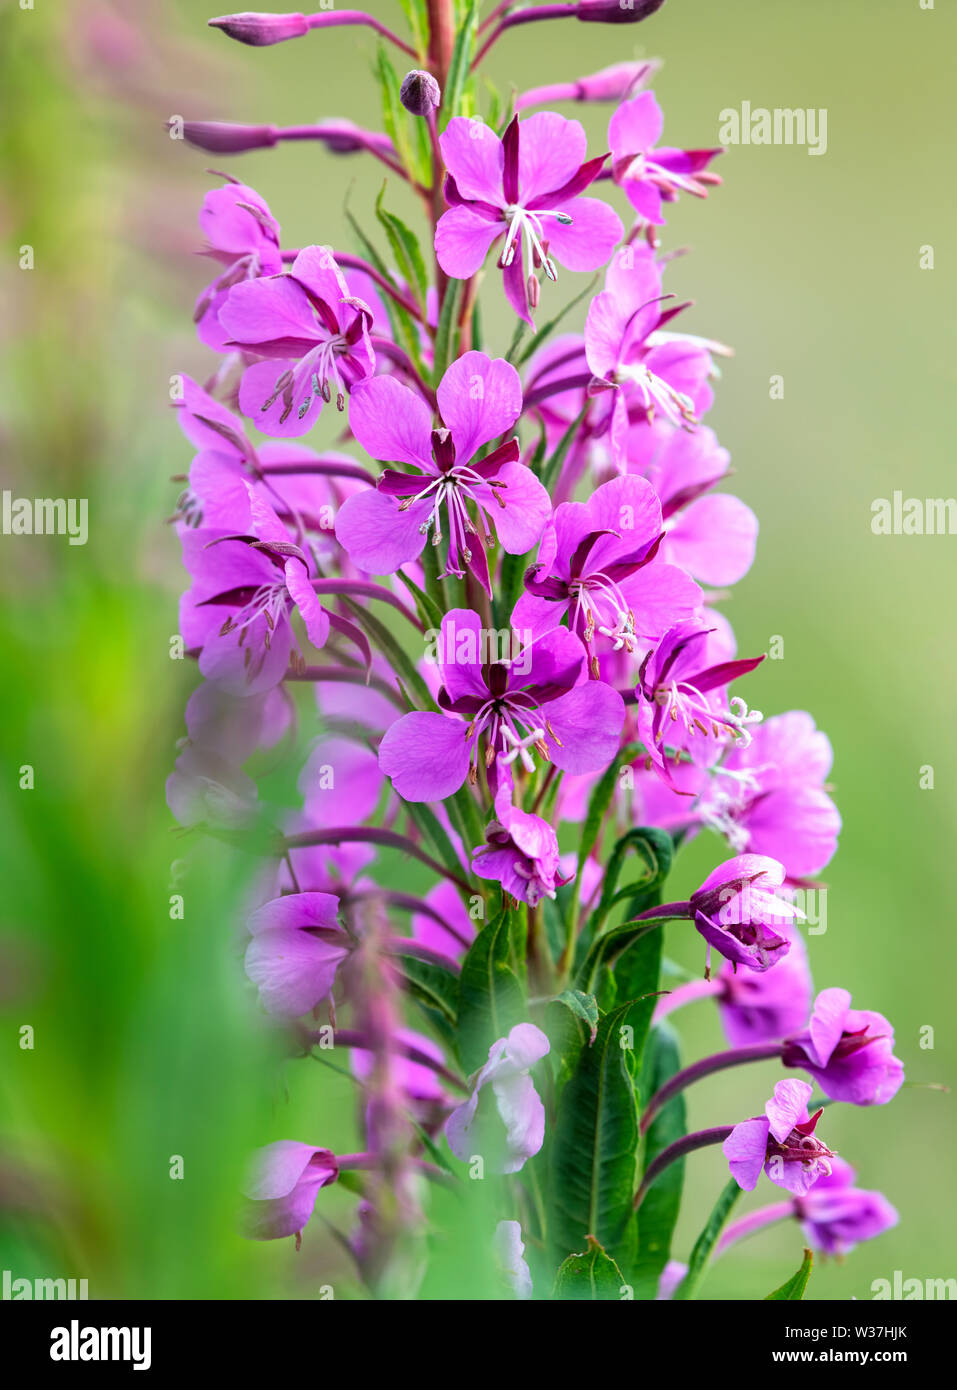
{"x":588,"y":242}
{"x":392,"y":423}
{"x":462,"y":240}
{"x":636,"y":126}
{"x":378,"y":536}
{"x":550,"y":153}
{"x":426,"y":756}
{"x":479,"y":399}
{"x":473,"y":155}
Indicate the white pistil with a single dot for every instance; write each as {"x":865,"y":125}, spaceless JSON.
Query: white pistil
{"x":522,"y":222}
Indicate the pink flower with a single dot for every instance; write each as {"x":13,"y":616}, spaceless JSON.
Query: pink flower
{"x":242,"y":234}
{"x":737,"y":913}
{"x":478,"y":399}
{"x":526,"y":188}
{"x":649,"y":175}
{"x":517,"y":1103}
{"x":849,"y":1052}
{"x":244,"y":590}
{"x":286,"y":1180}
{"x":297,"y":946}
{"x":314,"y":333}
{"x":781,"y":1142}
{"x":533,"y":702}
{"x":836,"y":1215}
{"x":521,"y":851}
{"x":597,"y":564}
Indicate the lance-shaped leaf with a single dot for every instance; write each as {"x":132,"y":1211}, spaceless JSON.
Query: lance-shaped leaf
{"x":707,"y":1240}
{"x":793,"y":1289}
{"x":435,"y":990}
{"x":589,"y":1278}
{"x":491,"y":1000}
{"x":593,"y":1157}
{"x":659,"y":1210}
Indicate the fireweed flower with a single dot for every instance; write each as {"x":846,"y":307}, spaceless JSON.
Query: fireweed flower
{"x":282,"y":1192}
{"x":239,"y":606}
{"x":521,"y":851}
{"x":836,"y":1215}
{"x":682,"y":700}
{"x":597,"y":564}
{"x":420,"y":1084}
{"x":769,"y":796}
{"x":712,"y":535}
{"x":781,"y":1142}
{"x":630,"y":355}
{"x":847,"y":1051}
{"x":533,"y":704}
{"x":517,"y":1103}
{"x":737,"y":912}
{"x":650,"y":175}
{"x":314,"y":333}
{"x":297,"y":946}
{"x":478,"y":400}
{"x":242,"y":234}
{"x":753,"y":1006}
{"x":525,"y":188}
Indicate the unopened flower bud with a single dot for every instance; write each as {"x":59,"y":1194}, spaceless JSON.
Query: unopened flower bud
{"x":259,"y":29}
{"x":221,"y":137}
{"x":616,"y":11}
{"x":420,"y":93}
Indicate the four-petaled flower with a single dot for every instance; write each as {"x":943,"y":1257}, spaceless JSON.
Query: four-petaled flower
{"x":532,"y":702}
{"x":479,"y":399}
{"x":781,"y":1142}
{"x":649,"y":175}
{"x":525,"y":188}
{"x":519,"y":1106}
{"x":849,"y":1052}
{"x":314,"y":333}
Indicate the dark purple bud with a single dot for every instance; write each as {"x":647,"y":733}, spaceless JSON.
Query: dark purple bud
{"x":616,"y":11}
{"x":420,"y":93}
{"x":259,"y":29}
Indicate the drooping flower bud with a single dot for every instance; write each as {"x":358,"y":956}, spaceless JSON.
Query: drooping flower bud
{"x":420,"y":94}
{"x":260,"y":29}
{"x":616,"y":11}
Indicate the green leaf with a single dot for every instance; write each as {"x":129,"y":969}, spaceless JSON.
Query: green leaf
{"x":707,"y":1240}
{"x":435,"y":990}
{"x":585,"y":1006}
{"x":793,"y":1289}
{"x":591,"y":1277}
{"x":432,"y":830}
{"x":404,"y":328}
{"x":636,"y":973}
{"x":445,"y":333}
{"x":593,"y":1156}
{"x":491,"y":1000}
{"x":427,"y":609}
{"x":389,"y":647}
{"x":553,"y":466}
{"x":406,"y":249}
{"x":458,"y":77}
{"x":659,"y":1210}
{"x":653,"y":849}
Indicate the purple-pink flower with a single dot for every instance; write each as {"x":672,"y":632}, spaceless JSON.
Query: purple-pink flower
{"x":242,"y":234}
{"x":282,"y":1191}
{"x":526,"y":188}
{"x":313,"y":332}
{"x":455,"y":495}
{"x":650,"y":175}
{"x":521,"y":851}
{"x":597,"y":564}
{"x":737,"y":912}
{"x":239,"y":606}
{"x":849,"y":1052}
{"x":538,"y":701}
{"x":520,"y":1112}
{"x":297,"y":945}
{"x":781,"y":1142}
{"x":836,"y":1215}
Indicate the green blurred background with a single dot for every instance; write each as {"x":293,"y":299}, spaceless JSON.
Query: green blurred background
{"x":146,"y":1043}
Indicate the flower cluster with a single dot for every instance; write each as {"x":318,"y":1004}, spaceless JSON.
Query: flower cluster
{"x":494,"y":612}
